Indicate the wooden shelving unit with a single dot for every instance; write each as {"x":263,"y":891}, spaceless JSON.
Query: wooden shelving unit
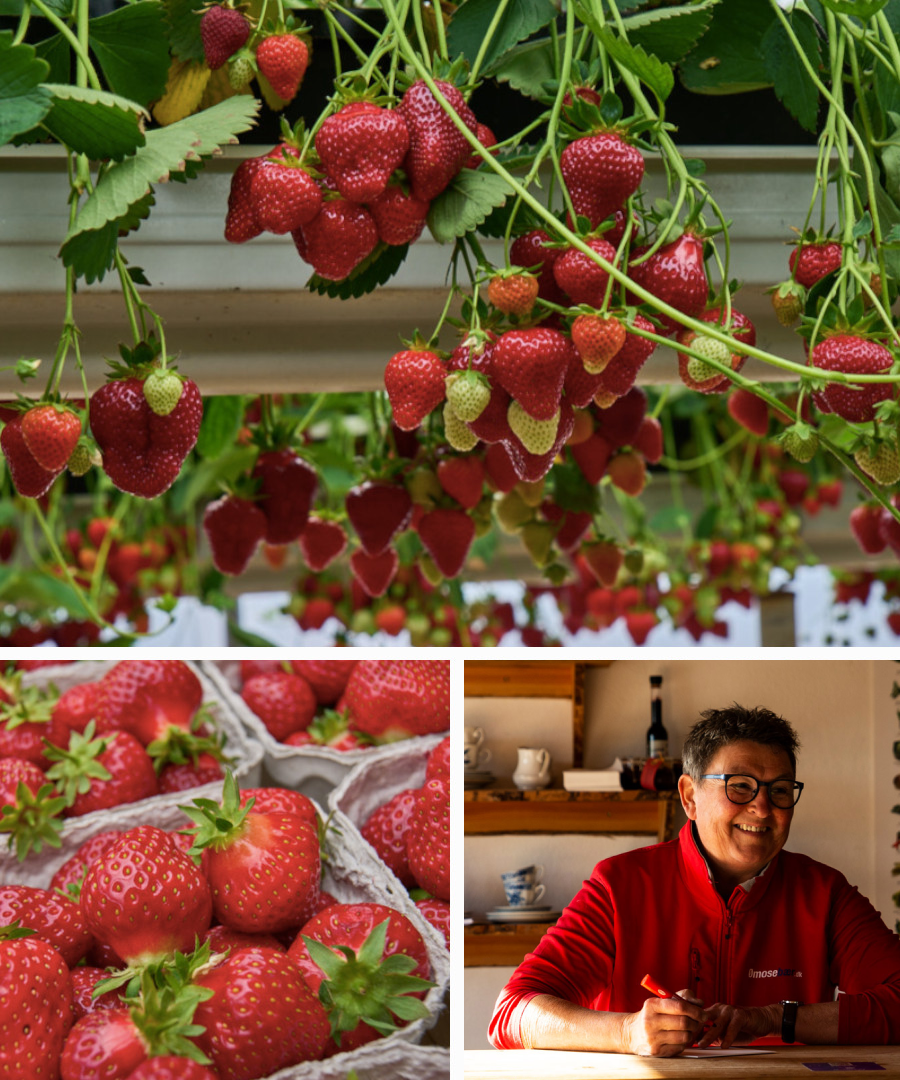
{"x":501,"y":944}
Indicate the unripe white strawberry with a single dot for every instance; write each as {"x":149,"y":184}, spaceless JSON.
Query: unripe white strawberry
{"x":458,"y":434}
{"x":512,"y":512}
{"x":162,"y":389}
{"x":710,"y":349}
{"x":240,"y":72}
{"x":803,"y":444}
{"x":881,"y":462}
{"x":537,"y":536}
{"x":532,"y":491}
{"x":469,"y":393}
{"x":537,"y":436}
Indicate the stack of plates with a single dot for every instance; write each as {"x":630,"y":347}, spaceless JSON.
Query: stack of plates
{"x":522,"y":913}
{"x":477,"y":778}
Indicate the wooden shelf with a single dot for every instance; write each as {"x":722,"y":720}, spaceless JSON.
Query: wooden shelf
{"x":489,"y":811}
{"x":501,"y":944}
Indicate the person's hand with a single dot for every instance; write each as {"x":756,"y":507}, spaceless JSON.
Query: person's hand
{"x":664,"y":1026}
{"x":731,"y":1025}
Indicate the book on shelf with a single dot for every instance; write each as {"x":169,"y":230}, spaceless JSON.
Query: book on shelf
{"x":594,"y":779}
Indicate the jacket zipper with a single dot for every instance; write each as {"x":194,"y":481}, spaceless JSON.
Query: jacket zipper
{"x":695,"y":972}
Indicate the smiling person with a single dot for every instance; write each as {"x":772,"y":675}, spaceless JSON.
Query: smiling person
{"x":755,"y":941}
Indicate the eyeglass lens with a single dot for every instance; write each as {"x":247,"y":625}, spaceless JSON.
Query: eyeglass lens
{"x":742,"y":789}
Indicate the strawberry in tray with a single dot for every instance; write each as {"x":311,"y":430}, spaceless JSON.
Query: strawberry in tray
{"x":395,"y":699}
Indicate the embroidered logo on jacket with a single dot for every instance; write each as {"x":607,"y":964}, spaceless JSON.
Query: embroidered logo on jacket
{"x":772,"y":973}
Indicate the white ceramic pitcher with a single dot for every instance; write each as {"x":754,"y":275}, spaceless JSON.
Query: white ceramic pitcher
{"x":533,"y":768}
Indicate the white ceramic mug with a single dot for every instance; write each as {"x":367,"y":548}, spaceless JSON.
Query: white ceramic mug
{"x":527,"y":875}
{"x":533,"y":768}
{"x":475,"y":758}
{"x":523,"y":895}
{"x":473,"y":736}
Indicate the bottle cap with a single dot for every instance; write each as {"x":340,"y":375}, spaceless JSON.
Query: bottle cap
{"x":656,"y":680}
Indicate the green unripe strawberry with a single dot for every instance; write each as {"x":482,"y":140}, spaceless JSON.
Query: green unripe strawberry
{"x":458,"y":434}
{"x":429,"y":569}
{"x":469,"y":393}
{"x":788,"y":300}
{"x":240,"y":72}
{"x":532,"y":491}
{"x":709,"y":349}
{"x":537,"y":436}
{"x":537,"y":536}
{"x":881,"y":462}
{"x":424,"y":487}
{"x":162,"y":389}
{"x":81,"y":458}
{"x":512,"y":512}
{"x":801,"y":442}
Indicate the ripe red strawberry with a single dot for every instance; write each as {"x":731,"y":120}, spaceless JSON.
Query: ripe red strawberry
{"x":223,"y":31}
{"x":793,"y":483}
{"x":639,"y":624}
{"x":98,"y":774}
{"x":499,"y":468}
{"x":592,"y":456}
{"x":437,"y":912}
{"x":809,"y":263}
{"x":287,"y":485}
{"x":428,"y":839}
{"x":394,"y":699}
{"x":864,"y":524}
{"x":513,"y":293}
{"x":29,"y":477}
{"x":581,"y":385}
{"x":531,"y":365}
{"x":676,"y":275}
{"x":604,"y":559}
{"x":277,"y":800}
{"x":321,"y":542}
{"x":619,"y":375}
{"x":15,"y":771}
{"x":337,"y":239}
{"x":853,"y":355}
{"x":234,"y":528}
{"x":68,"y":877}
{"x":240,"y":220}
{"x":374,"y":572}
{"x":437,"y":150}
{"x":145,"y":898}
{"x":142,"y":452}
{"x":579,"y":277}
{"x":55,"y":919}
{"x":146,"y":697}
{"x":105,"y":1037}
{"x":360,"y":146}
{"x":749,"y":410}
{"x":378,"y":510}
{"x":171,"y":1067}
{"x":597,"y":340}
{"x":447,"y":535}
{"x":203,"y":768}
{"x":386,"y":829}
{"x":491,"y":425}
{"x":50,"y":433}
{"x":84,"y":981}
{"x":262,"y":867}
{"x":601,"y":171}
{"x":36,"y":1006}
{"x":414,"y":380}
{"x":487,"y":139}
{"x":649,"y":440}
{"x":571,"y":525}
{"x":529,"y":251}
{"x":328,"y":678}
{"x":283,"y":195}
{"x":463,"y":479}
{"x":399,"y":216}
{"x":282,"y":59}
{"x":283,"y":700}
{"x":365,"y":961}
{"x":24,"y":725}
{"x":830,"y":491}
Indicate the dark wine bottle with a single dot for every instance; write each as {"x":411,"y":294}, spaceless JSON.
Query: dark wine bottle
{"x":657,"y":736}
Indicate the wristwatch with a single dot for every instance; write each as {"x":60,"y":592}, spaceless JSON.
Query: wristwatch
{"x":788,"y":1019}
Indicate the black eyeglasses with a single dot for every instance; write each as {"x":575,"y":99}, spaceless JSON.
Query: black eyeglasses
{"x":742,"y":789}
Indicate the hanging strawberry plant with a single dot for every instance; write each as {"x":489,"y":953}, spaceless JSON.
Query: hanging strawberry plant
{"x":518,"y":416}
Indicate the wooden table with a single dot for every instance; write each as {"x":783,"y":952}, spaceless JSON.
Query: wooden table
{"x":786,"y":1063}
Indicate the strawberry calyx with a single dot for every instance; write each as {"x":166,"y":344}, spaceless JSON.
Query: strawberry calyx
{"x":218,"y":824}
{"x":74,"y":767}
{"x":32,"y":706}
{"x":180,"y":747}
{"x":34,"y":820}
{"x":366,"y":986}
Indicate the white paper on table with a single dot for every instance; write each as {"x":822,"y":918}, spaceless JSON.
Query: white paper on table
{"x":731,"y":1052}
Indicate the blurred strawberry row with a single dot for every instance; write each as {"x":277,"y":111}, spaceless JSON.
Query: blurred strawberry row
{"x":170,"y":909}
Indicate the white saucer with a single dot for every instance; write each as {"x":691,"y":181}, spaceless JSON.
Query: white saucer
{"x":522,"y":907}
{"x":522,"y":916}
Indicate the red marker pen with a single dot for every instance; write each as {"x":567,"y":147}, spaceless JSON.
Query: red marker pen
{"x":649,"y":983}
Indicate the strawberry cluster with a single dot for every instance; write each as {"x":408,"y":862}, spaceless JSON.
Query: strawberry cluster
{"x":365,"y":185}
{"x":206,"y":949}
{"x":347,"y":704}
{"x":137,"y":731}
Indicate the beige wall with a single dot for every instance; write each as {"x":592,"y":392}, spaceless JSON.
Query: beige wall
{"x":846,"y":720}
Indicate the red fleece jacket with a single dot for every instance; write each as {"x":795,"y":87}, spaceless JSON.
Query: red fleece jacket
{"x":801,"y":931}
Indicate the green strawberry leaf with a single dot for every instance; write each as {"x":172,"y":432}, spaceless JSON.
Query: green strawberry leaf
{"x":527,"y":68}
{"x":472,"y":28}
{"x":373,"y":271}
{"x":647,"y":67}
{"x":705,"y":526}
{"x":670,"y":32}
{"x":23,"y":101}
{"x":792,"y":83}
{"x":860,"y":9}
{"x":55,"y":50}
{"x":466,"y":203}
{"x":183,"y":20}
{"x":222,"y":417}
{"x":92,"y":253}
{"x":94,"y":122}
{"x":131,"y":47}
{"x":727,"y":59}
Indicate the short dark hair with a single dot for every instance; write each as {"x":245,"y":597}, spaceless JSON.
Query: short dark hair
{"x":719,"y":728}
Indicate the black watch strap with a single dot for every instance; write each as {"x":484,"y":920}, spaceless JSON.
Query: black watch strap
{"x":788,"y":1020}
